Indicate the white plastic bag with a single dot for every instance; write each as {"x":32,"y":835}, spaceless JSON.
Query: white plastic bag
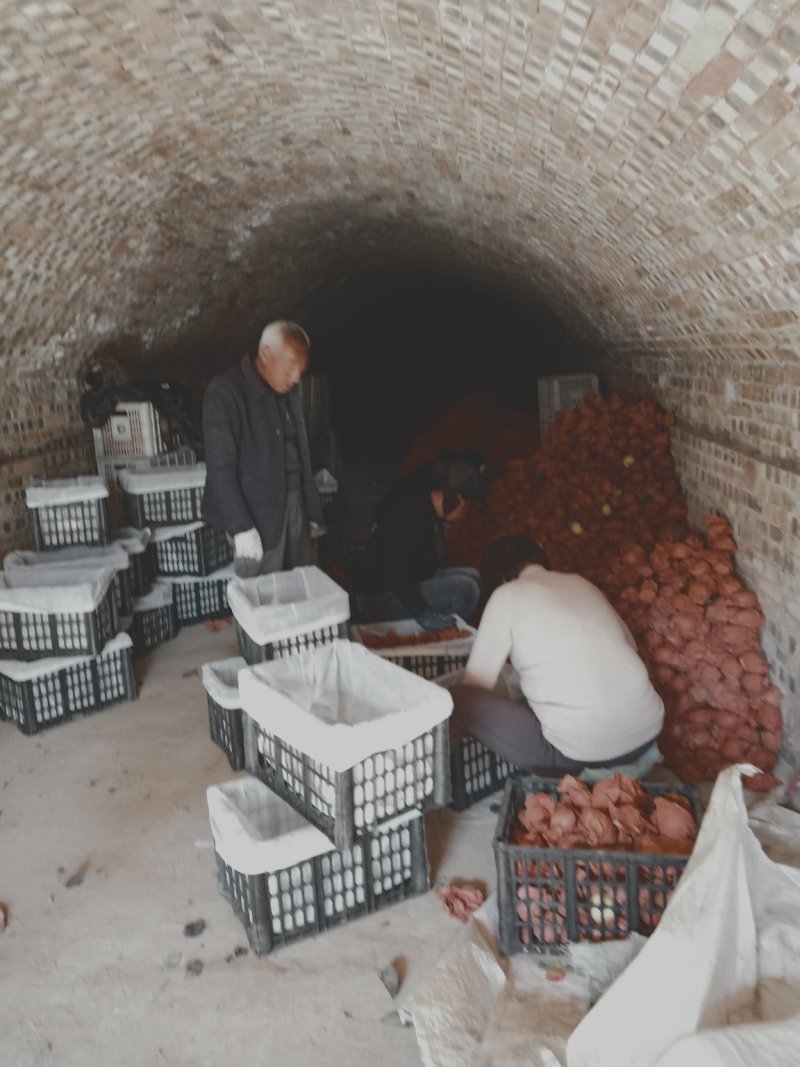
{"x":718,"y":983}
{"x":74,"y":558}
{"x":163,"y":479}
{"x":221,"y":681}
{"x":65,"y":491}
{"x":49,"y":591}
{"x":160,"y":596}
{"x":169,"y":533}
{"x":132,"y":540}
{"x":277,"y":606}
{"x":24,"y":670}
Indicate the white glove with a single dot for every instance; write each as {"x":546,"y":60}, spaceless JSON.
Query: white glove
{"x":318,"y":529}
{"x":247,"y":545}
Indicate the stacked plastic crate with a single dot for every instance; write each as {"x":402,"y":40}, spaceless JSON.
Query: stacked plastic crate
{"x":61,"y":649}
{"x":345,"y":749}
{"x":193,"y":561}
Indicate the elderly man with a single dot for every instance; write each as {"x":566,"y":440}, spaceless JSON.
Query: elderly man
{"x":259,"y":484}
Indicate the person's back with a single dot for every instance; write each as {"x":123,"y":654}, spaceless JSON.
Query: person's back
{"x":578,"y":666}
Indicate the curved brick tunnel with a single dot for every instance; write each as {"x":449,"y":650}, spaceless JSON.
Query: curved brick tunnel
{"x":174,"y":175}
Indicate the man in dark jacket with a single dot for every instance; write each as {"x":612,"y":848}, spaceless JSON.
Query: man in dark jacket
{"x":403,"y":575}
{"x":259,"y":483}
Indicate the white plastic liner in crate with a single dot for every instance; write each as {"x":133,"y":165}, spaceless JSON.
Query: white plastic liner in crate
{"x":345,"y":737}
{"x":163,"y":479}
{"x":53,"y":591}
{"x":20,"y":670}
{"x":84,"y":560}
{"x":422,"y":658}
{"x":169,"y":533}
{"x":274,"y":607}
{"x":160,"y":596}
{"x":65,"y":491}
{"x":221,"y":683}
{"x":133,"y":541}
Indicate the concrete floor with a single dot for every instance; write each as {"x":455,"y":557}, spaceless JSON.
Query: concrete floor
{"x":95,"y":974}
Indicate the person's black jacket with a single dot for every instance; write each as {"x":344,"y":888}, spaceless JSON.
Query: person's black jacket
{"x":245,"y":455}
{"x":406,"y":547}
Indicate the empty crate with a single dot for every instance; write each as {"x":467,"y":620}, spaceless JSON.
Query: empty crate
{"x":548,"y":897}
{"x":56,"y":614}
{"x":194,"y":549}
{"x":197,"y":599}
{"x":169,"y":496}
{"x":155,"y":619}
{"x":79,"y":559}
{"x":430,"y":659}
{"x":285,"y":881}
{"x":68,"y":511}
{"x":280,"y":614}
{"x":221,"y":683}
{"x":141,"y":556}
{"x":345,"y":737}
{"x":39,"y":694}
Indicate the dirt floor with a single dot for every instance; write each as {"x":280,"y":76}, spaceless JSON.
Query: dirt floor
{"x":107,"y":855}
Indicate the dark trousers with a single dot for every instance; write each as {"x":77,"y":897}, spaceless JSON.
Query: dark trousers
{"x":512,"y":729}
{"x":451,"y":591}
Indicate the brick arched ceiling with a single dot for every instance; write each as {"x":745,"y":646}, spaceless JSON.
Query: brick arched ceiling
{"x":170,"y":165}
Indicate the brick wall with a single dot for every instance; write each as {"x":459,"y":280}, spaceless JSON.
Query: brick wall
{"x":174,"y":175}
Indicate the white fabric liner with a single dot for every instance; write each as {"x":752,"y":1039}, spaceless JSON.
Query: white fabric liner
{"x":162,"y":479}
{"x":222,"y":575}
{"x":403,"y":627}
{"x":272,"y":607}
{"x":132,"y":540}
{"x":75,"y":557}
{"x":53,"y":590}
{"x":325,"y":481}
{"x":340,"y":704}
{"x":716,"y":984}
{"x":160,"y":596}
{"x":169,"y":533}
{"x":221,"y":681}
{"x":256,"y":832}
{"x":23,"y":670}
{"x":65,"y":491}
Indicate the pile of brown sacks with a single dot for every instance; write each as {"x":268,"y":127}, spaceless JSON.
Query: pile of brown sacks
{"x":603,"y":498}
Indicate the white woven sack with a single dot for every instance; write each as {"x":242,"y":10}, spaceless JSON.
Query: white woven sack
{"x":256,"y":832}
{"x":163,"y":479}
{"x":340,"y":704}
{"x":221,"y":681}
{"x":461,"y":646}
{"x":169,"y":533}
{"x":25,"y":670}
{"x":273,"y":607}
{"x":65,"y":491}
{"x":53,"y":590}
{"x":160,"y":596}
{"x":132,"y":540}
{"x":74,"y":558}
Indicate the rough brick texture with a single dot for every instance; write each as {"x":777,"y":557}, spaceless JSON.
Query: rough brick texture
{"x":170,"y":170}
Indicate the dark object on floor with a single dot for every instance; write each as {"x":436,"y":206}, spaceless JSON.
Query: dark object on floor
{"x":194,"y":967}
{"x":77,"y":878}
{"x":194,"y":929}
{"x":4,"y":915}
{"x":391,"y":979}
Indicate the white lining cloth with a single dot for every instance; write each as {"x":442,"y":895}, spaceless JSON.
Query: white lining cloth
{"x":341,"y":704}
{"x":272,"y":607}
{"x":51,"y":590}
{"x":24,"y":670}
{"x":132,"y":540}
{"x":162,"y":479}
{"x":223,"y":574}
{"x":65,"y":491}
{"x":221,"y":681}
{"x":256,"y":832}
{"x":160,"y":596}
{"x":169,"y":533}
{"x":74,"y":558}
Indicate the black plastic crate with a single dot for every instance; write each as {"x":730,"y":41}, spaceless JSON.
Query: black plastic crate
{"x":167,"y":507}
{"x":143,"y":570}
{"x":476,"y":772}
{"x":225,"y":727}
{"x":199,"y":599}
{"x":431,"y":660}
{"x":83,"y":522}
{"x":548,"y":897}
{"x":31,"y":635}
{"x":198,"y":552}
{"x":345,"y":804}
{"x":253,"y":653}
{"x":387,"y":865}
{"x":123,"y":592}
{"x":152,"y":627}
{"x":85,"y":687}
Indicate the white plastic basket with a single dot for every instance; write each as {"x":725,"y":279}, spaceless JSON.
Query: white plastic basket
{"x":560,"y":393}
{"x":133,"y":430}
{"x":430,"y":660}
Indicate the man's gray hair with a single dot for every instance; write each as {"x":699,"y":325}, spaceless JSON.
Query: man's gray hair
{"x":275,"y":336}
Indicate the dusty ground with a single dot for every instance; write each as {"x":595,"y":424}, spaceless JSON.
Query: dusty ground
{"x":95,"y":973}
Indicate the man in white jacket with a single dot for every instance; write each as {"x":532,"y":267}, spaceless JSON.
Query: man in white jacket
{"x":588,"y":699}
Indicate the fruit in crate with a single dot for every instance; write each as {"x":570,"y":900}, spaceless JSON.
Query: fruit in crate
{"x":392,"y":639}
